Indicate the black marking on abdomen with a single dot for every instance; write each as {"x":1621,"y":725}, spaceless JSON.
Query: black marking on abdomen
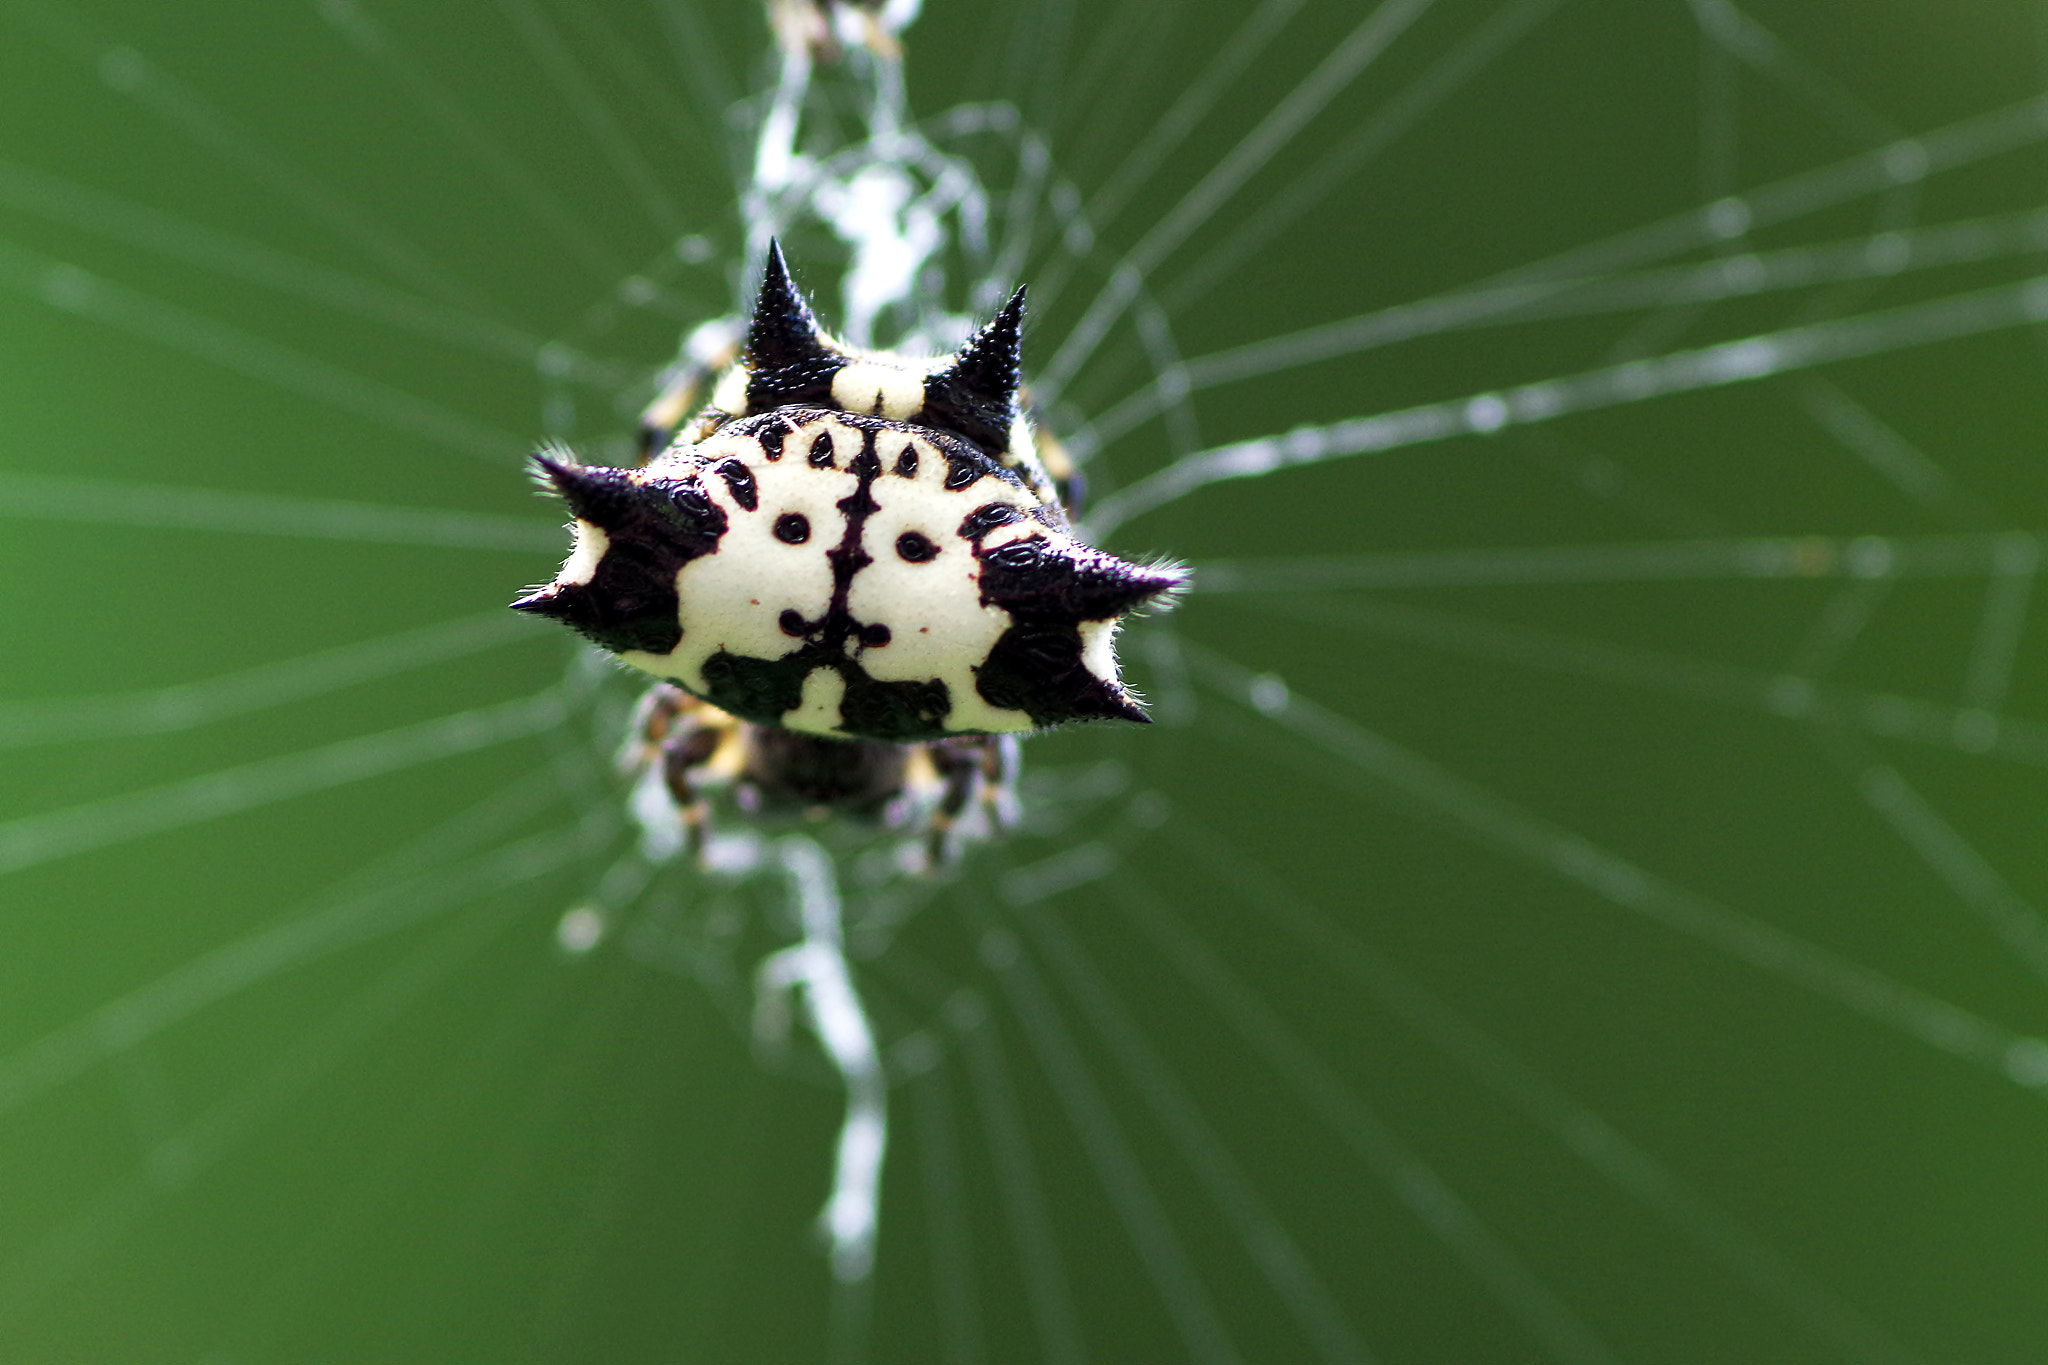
{"x":766,"y":690}
{"x":740,"y":480}
{"x":987,"y":518}
{"x":760,"y":690}
{"x":896,"y":711}
{"x":1036,"y":668}
{"x":771,"y":434}
{"x":965,"y":461}
{"x":962,"y":471}
{"x":1018,"y":557}
{"x":1036,"y":665}
{"x":653,"y":527}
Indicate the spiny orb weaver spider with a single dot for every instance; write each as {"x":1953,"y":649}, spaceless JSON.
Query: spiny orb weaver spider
{"x":854,"y":576}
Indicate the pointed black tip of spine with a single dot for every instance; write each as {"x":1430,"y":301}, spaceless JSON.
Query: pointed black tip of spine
{"x":784,"y":330}
{"x":788,"y":357}
{"x":1123,"y":708}
{"x":976,"y":393}
{"x":1151,"y":582}
{"x":545,"y":602}
{"x":556,"y":473}
{"x":1101,"y":699}
{"x":991,"y":364}
{"x":1105,"y":586}
{"x":598,"y":494}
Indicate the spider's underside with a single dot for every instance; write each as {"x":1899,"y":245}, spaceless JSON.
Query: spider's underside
{"x":852,"y":571}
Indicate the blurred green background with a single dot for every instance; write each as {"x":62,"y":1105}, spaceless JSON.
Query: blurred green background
{"x":1605,"y":929}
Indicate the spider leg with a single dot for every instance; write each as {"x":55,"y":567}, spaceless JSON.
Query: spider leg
{"x":1000,"y":760}
{"x":960,"y":764}
{"x":706,"y":352}
{"x":653,"y":715}
{"x":663,"y":417}
{"x":1067,"y":479}
{"x":690,"y":748}
{"x":691,"y":741}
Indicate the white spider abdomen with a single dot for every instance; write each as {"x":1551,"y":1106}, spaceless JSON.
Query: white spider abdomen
{"x":851,"y":558}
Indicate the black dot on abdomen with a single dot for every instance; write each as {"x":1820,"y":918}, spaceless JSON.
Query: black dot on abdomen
{"x":740,"y":480}
{"x":791,"y":621}
{"x":821,"y":452}
{"x":916,"y":548}
{"x":875,"y":636}
{"x":984,"y":519}
{"x":906,"y":463}
{"x":792,"y":528}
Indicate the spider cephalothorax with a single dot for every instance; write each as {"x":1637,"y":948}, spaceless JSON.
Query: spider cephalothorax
{"x":853,"y":545}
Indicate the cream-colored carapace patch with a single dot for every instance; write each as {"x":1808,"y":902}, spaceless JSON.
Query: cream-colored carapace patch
{"x":729,"y":394}
{"x":880,"y":390}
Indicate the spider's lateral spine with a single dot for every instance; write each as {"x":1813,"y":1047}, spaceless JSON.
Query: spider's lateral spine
{"x":541,"y":465}
{"x":1175,"y":579}
{"x":598,"y":494}
{"x":1034,"y":580}
{"x":634,"y":534}
{"x":784,"y":328}
{"x":787,"y":358}
{"x":976,"y":393}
